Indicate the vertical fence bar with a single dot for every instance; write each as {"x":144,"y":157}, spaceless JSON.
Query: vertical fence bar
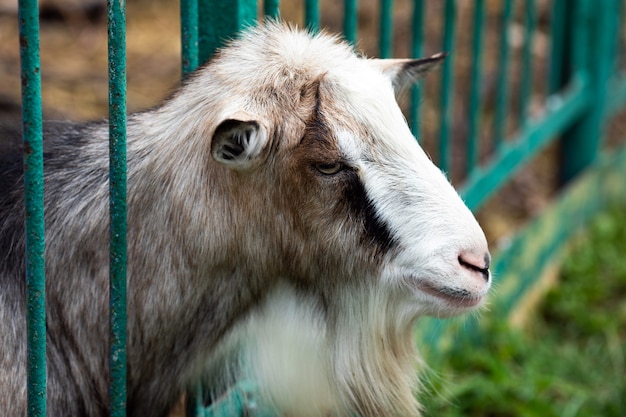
{"x":312,"y":14}
{"x":417,"y":50}
{"x":209,"y":31}
{"x":590,"y":35}
{"x":558,"y":17}
{"x":189,"y":35}
{"x":386,"y":28}
{"x":526,"y":86}
{"x":475,"y":101}
{"x":221,"y":20}
{"x":447,"y":88}
{"x":577,"y":38}
{"x":117,"y":204}
{"x":34,"y":205}
{"x":502,"y":98}
{"x":350,"y":20}
{"x":616,"y":25}
{"x":271,"y":8}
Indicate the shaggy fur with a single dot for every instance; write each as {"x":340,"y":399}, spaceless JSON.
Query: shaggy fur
{"x":283,"y":226}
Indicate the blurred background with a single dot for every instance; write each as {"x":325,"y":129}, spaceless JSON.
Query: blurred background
{"x":557,"y":349}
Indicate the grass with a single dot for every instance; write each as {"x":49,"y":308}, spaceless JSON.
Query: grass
{"x":570,"y":360}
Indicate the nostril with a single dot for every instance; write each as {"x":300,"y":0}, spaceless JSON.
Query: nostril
{"x":481,"y":266}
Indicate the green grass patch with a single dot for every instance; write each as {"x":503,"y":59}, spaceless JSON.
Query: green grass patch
{"x":570,"y":360}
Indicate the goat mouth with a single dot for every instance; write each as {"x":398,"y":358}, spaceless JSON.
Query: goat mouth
{"x":454,"y":297}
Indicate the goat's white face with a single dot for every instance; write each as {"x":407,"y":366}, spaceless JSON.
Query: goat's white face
{"x":356,"y":194}
{"x":436,"y":255}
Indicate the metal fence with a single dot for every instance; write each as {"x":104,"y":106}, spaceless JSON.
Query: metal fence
{"x":566,"y":95}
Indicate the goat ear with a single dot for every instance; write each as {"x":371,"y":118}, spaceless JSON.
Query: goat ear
{"x":238,"y":144}
{"x":405,"y":72}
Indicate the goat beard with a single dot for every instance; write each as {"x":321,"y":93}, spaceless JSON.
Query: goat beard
{"x":355,"y":356}
{"x":375,"y":358}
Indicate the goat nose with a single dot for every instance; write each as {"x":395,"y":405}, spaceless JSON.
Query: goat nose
{"x":476,"y":263}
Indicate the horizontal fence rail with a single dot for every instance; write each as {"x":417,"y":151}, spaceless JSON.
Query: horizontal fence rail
{"x":521,"y":95}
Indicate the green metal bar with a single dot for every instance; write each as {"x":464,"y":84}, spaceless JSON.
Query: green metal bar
{"x":189,"y":35}
{"x":475,"y":101}
{"x":350,"y":20}
{"x":221,"y":20}
{"x":386,"y":28}
{"x":34,"y":204}
{"x":502,"y":99}
{"x":593,"y":28}
{"x":312,"y":14}
{"x":447,"y":86}
{"x":271,"y":8}
{"x":577,"y":36}
{"x":417,"y":50}
{"x":558,"y":15}
{"x":619,"y":40}
{"x":117,"y":204}
{"x":562,"y":111}
{"x":526,"y":86}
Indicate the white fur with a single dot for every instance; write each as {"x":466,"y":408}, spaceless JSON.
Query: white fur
{"x":289,"y":354}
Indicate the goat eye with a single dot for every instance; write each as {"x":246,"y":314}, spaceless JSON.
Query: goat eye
{"x":329,"y":168}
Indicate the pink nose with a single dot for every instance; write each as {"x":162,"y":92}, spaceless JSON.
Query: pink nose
{"x":476,"y":263}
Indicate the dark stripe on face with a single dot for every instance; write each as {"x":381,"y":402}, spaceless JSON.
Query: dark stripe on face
{"x":317,"y":137}
{"x":375,"y":231}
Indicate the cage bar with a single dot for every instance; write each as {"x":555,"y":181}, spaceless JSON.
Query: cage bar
{"x":526,"y":87}
{"x":220,"y":21}
{"x":502,"y":98}
{"x":591,"y":34}
{"x":558,"y":17}
{"x":475,"y":101}
{"x":350,"y":20}
{"x":189,"y":35}
{"x":385,"y":42}
{"x":417,"y":50}
{"x":117,"y":204}
{"x":271,"y":8}
{"x":312,"y":14}
{"x":32,"y":131}
{"x":447,"y":87}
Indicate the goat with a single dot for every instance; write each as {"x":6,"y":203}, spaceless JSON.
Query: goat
{"x":283,"y":226}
